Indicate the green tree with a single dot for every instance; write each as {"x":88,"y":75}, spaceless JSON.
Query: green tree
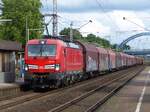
{"x":100,"y":41}
{"x":76,"y":34}
{"x":91,"y":38}
{"x":20,"y":11}
{"x":115,"y":46}
{"x":126,"y":47}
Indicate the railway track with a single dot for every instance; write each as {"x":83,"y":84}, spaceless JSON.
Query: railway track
{"x":23,"y":93}
{"x":83,"y":102}
{"x":4,"y":105}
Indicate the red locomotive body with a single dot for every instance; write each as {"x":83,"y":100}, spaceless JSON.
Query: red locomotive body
{"x":52,"y":61}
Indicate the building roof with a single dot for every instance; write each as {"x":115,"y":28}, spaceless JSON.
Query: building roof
{"x":10,"y":45}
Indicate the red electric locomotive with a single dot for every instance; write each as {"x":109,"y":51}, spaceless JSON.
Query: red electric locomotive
{"x":52,"y":62}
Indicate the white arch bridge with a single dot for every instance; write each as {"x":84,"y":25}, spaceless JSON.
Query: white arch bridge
{"x":121,"y":46}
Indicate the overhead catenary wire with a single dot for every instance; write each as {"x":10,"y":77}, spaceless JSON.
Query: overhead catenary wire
{"x":109,"y":18}
{"x":64,"y":25}
{"x":67,"y":21}
{"x":54,"y":18}
{"x":144,"y":28}
{"x":64,"y":22}
{"x":46,"y":25}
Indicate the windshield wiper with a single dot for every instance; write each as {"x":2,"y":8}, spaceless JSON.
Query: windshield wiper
{"x":41,"y":50}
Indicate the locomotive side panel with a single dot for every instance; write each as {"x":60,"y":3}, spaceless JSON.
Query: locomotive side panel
{"x":74,"y":59}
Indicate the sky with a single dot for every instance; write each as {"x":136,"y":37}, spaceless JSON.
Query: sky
{"x":107,"y":18}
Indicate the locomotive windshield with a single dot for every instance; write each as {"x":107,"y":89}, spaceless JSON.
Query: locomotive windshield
{"x":41,"y":50}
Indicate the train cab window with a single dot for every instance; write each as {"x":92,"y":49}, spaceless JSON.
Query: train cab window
{"x":34,"y":50}
{"x":49,"y":50}
{"x":41,"y":50}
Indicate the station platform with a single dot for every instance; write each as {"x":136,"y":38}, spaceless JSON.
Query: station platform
{"x":10,"y":89}
{"x":134,"y":97}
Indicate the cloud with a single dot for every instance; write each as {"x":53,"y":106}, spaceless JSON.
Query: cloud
{"x":126,"y":28}
{"x":127,"y":4}
{"x":96,"y":27}
{"x":108,"y":23}
{"x":75,"y":6}
{"x":132,"y":22}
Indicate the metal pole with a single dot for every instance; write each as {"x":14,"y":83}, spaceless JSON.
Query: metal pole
{"x":5,"y":20}
{"x":28,"y":35}
{"x":90,"y":21}
{"x":55,"y":21}
{"x":71,"y":32}
{"x":26,"y":29}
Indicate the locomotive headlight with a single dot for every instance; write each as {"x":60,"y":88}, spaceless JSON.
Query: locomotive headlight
{"x":53,"y":66}
{"x":50,"y":66}
{"x":57,"y":67}
{"x":32,"y":66}
{"x":26,"y":68}
{"x":42,"y":42}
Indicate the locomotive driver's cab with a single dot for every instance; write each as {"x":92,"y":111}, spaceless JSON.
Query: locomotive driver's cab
{"x":41,"y":61}
{"x":38,"y":55}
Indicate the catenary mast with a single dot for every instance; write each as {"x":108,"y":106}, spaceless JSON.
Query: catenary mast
{"x":55,"y":19}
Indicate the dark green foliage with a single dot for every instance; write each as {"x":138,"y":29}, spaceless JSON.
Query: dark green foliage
{"x":76,"y":33}
{"x":18,"y":11}
{"x":126,"y":47}
{"x":100,"y":41}
{"x":116,"y":47}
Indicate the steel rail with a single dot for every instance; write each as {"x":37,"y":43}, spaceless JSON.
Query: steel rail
{"x":40,"y":95}
{"x":83,"y":96}
{"x":109,"y":95}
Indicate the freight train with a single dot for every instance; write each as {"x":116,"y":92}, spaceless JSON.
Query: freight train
{"x":56,"y":62}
